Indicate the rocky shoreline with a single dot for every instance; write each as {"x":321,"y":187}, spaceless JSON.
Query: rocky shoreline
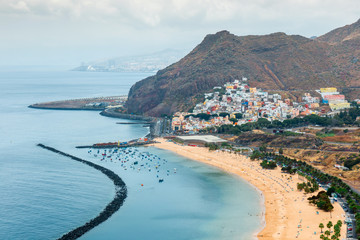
{"x":109,"y":210}
{"x":113,"y":113}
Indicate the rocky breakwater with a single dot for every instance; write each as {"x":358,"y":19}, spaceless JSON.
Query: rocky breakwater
{"x":110,"y":209}
{"x":158,"y":126}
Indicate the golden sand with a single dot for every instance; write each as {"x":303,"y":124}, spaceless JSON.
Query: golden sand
{"x":288,"y":214}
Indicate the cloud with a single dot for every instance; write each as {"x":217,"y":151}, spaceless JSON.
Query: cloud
{"x":164,"y":12}
{"x":119,"y":26}
{"x":20,"y":6}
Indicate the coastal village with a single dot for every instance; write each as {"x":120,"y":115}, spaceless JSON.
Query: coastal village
{"x":237,"y":103}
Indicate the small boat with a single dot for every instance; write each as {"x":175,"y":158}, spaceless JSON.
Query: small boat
{"x":161,"y":180}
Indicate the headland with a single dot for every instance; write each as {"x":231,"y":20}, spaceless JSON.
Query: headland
{"x":97,"y":104}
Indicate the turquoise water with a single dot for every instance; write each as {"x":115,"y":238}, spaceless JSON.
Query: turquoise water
{"x":44,"y":195}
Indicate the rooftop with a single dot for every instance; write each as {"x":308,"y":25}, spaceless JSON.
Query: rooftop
{"x":203,"y":138}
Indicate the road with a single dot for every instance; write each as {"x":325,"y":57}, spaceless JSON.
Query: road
{"x":335,"y":128}
{"x":349,"y":234}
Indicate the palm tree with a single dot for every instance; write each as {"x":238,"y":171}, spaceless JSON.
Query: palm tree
{"x":321,"y":226}
{"x":339,"y":223}
{"x":327,"y":233}
{"x":329,"y":225}
{"x":337,"y":229}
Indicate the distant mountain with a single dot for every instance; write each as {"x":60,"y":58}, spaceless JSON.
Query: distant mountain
{"x":141,"y":63}
{"x":273,"y":62}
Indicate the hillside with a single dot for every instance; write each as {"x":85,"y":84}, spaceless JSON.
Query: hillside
{"x":342,"y":34}
{"x":277,"y":61}
{"x":344,"y":53}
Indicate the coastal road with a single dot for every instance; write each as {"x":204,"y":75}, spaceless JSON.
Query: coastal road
{"x":333,"y":128}
{"x":352,"y":233}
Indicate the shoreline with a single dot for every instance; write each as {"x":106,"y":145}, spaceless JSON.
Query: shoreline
{"x":263,"y":210}
{"x":286,"y":213}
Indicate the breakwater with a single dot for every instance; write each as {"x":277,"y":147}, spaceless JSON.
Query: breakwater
{"x":132,"y":143}
{"x":133,"y":123}
{"x":115,"y":114}
{"x":109,"y":210}
{"x":158,"y":126}
{"x":153,"y":122}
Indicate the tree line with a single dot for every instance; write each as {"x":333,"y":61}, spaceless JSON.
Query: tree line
{"x":308,"y":171}
{"x":347,"y":117}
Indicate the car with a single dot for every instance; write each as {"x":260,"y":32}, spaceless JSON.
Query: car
{"x":349,"y":235}
{"x":350,"y":229}
{"x":349,"y":224}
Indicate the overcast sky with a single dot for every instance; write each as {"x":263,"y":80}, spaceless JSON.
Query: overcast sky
{"x":68,"y":32}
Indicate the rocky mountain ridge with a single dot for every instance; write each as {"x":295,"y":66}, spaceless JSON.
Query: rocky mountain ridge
{"x":274,"y":62}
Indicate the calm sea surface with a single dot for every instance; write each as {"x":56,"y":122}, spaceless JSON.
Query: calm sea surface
{"x":44,"y":195}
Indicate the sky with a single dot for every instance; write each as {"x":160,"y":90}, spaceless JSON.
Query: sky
{"x":69,"y":32}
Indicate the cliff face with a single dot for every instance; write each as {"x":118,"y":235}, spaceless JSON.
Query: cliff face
{"x":273,"y":62}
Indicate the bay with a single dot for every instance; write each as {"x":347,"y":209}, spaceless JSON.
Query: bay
{"x":44,"y":195}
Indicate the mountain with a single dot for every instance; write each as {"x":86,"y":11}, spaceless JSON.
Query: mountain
{"x":344,"y":53}
{"x":342,"y":34}
{"x":277,"y":62}
{"x":141,"y":63}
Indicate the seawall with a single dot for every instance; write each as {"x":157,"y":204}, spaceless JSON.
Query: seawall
{"x":109,"y":210}
{"x":155,"y":124}
{"x":112,"y":113}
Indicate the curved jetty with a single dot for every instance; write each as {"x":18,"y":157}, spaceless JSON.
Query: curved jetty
{"x":110,"y":209}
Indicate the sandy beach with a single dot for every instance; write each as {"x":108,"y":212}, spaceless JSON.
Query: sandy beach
{"x":288,"y":215}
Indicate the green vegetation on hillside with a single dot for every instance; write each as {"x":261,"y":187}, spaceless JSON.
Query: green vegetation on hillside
{"x":352,"y":161}
{"x":288,"y":133}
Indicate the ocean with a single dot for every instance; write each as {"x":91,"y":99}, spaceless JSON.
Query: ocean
{"x":45,"y":195}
